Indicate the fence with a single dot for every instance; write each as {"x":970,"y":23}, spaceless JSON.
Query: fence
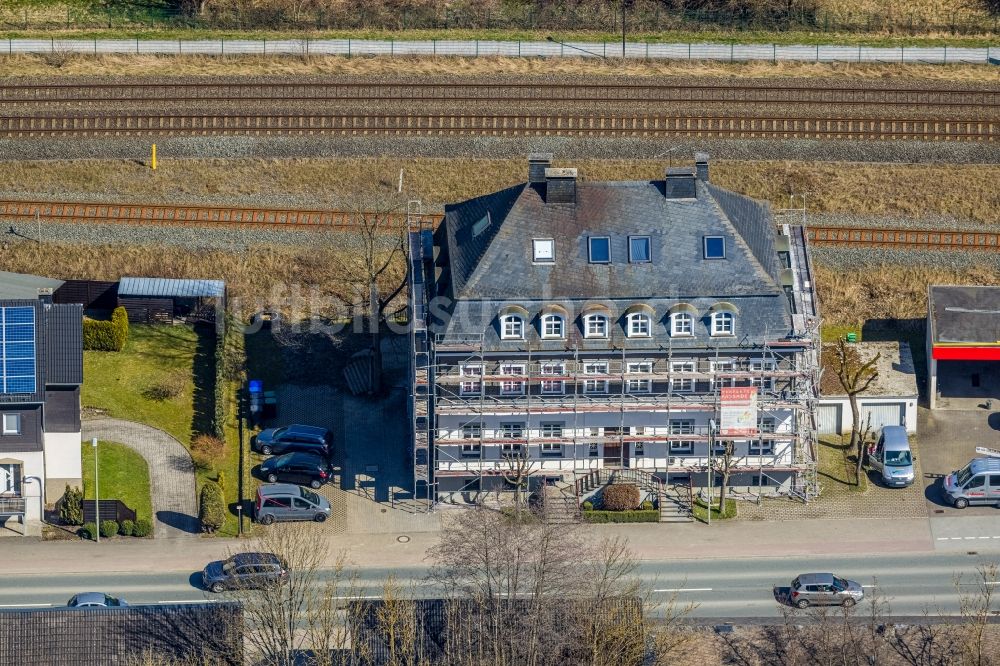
{"x":522,"y":49}
{"x":111,"y":509}
{"x":93,"y":294}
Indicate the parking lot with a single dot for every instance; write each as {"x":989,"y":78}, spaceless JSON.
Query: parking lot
{"x":948,"y":440}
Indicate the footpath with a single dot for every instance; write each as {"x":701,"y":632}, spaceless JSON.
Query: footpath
{"x":652,"y":542}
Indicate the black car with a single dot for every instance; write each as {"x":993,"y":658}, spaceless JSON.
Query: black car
{"x":298,"y":468}
{"x":304,"y":438}
{"x":244,"y":571}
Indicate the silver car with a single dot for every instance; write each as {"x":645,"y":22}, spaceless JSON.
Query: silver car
{"x":95,"y":600}
{"x":824,"y":589}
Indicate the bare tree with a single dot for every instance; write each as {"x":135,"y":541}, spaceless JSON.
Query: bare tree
{"x":723,"y":464}
{"x":855,"y":377}
{"x":976,"y":607}
{"x":517,"y":474}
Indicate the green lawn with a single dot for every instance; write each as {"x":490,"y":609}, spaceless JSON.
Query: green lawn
{"x":700,"y":512}
{"x":123,"y":474}
{"x":836,"y":466}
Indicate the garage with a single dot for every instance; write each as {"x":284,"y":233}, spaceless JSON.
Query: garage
{"x":829,"y":417}
{"x":882,"y":414}
{"x":963,"y":346}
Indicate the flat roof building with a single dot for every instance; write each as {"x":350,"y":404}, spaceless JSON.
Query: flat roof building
{"x":963,"y":345}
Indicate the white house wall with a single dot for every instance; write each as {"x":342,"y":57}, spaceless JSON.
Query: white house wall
{"x":63,"y":463}
{"x":909,"y":410}
{"x":32,"y":469}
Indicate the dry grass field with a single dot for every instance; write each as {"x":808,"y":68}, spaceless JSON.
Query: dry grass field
{"x":960,"y":191}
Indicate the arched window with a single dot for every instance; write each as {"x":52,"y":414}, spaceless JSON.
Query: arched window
{"x":512,"y":327}
{"x":638,"y":325}
{"x":681,"y":323}
{"x":595,"y":326}
{"x":553,"y":326}
{"x":723,"y":323}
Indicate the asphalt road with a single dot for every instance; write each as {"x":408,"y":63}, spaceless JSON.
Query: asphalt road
{"x":721,"y":588}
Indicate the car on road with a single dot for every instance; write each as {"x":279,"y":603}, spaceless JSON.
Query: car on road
{"x":244,"y":571}
{"x":284,"y":501}
{"x":95,"y":600}
{"x":301,"y":468}
{"x":976,"y":483}
{"x":304,"y":438}
{"x":824,"y":589}
{"x":892,"y":457}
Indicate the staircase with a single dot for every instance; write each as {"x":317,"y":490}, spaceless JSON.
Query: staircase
{"x":561,"y":505}
{"x":674,"y":503}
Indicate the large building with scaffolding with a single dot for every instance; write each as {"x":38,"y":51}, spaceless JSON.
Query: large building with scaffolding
{"x":562,"y":326}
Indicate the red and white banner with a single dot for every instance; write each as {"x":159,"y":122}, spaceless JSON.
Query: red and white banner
{"x":738,"y":416}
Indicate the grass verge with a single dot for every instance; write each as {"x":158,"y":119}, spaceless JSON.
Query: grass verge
{"x":836,"y":466}
{"x":122,"y":474}
{"x":700,"y":511}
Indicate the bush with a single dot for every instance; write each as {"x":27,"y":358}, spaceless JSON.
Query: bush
{"x":588,"y":505}
{"x":169,"y":387}
{"x":126,"y":528}
{"x":620,"y":497}
{"x":220,"y":479}
{"x":646,"y":506}
{"x":621,"y":516}
{"x":102,"y":335}
{"x":143,"y":528}
{"x":206,"y":451}
{"x":71,"y":508}
{"x":88,"y":531}
{"x":212,"y":511}
{"x":119,"y":327}
{"x":109,"y":528}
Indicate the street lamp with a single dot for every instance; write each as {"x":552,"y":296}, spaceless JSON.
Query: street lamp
{"x":97,"y":494}
{"x":711,"y":470}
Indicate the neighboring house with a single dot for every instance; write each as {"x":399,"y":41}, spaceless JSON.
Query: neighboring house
{"x":567,"y":326}
{"x":890,"y":400}
{"x":41,"y":370}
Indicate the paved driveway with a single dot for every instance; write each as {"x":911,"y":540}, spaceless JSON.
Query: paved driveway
{"x":948,"y":440}
{"x":171,"y":472}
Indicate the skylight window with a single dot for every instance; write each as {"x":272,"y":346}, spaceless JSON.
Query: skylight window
{"x":715,"y":247}
{"x":638,"y":249}
{"x":600,"y":250}
{"x":543,"y":251}
{"x":481,"y":225}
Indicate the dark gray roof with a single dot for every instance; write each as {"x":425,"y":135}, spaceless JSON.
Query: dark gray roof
{"x":170,"y":288}
{"x":965,"y":315}
{"x":64,"y":325}
{"x":20,"y":285}
{"x":99,"y":636}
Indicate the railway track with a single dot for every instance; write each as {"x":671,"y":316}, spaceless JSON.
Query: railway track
{"x":427,"y":124}
{"x":13,"y":212}
{"x":612,"y":93}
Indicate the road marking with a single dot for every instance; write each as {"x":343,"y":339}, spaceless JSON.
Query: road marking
{"x":685,"y":589}
{"x":24,"y":605}
{"x":968,"y":538}
{"x":355,"y":597}
{"x":867,"y":586}
{"x":189,"y":601}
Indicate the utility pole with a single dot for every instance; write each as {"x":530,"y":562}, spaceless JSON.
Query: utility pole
{"x":711,"y":470}
{"x":97,"y":494}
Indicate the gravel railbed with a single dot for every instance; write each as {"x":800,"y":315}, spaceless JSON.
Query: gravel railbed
{"x":234,"y":147}
{"x":850,"y":259}
{"x":936,"y":222}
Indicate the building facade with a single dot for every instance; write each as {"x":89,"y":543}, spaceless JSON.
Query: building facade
{"x":563,"y":326}
{"x":41,"y":371}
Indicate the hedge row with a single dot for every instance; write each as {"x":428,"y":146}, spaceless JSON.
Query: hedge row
{"x":647,"y":516}
{"x":109,"y":528}
{"x":219,"y":417}
{"x":212,"y":511}
{"x":102,"y":335}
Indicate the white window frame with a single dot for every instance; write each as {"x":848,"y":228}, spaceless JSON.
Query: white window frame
{"x":470,"y":449}
{"x":638,"y":449}
{"x":15,"y":418}
{"x":553,"y":386}
{"x":471,"y":387}
{"x":539,"y":244}
{"x":549,"y":323}
{"x":681,"y":426}
{"x":635,"y":325}
{"x":767,"y":424}
{"x":590,"y":249}
{"x":643,"y":385}
{"x":512,"y":386}
{"x":720,"y":382}
{"x":551,"y":430}
{"x":595,"y":386}
{"x":512,"y":327}
{"x":760,"y":447}
{"x":649,"y":250}
{"x":704,"y":244}
{"x":593,"y":450}
{"x":552,"y":450}
{"x":676,"y":329}
{"x":760,"y":365}
{"x":682,"y":384}
{"x":472,"y":431}
{"x":719,"y":324}
{"x":591,"y":328}
{"x":511,"y":430}
{"x":681,"y":448}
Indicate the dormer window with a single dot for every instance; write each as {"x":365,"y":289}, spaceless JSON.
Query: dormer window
{"x":722,"y":323}
{"x":543,"y":251}
{"x":512,"y":327}
{"x":681,"y":323}
{"x":638,"y":325}
{"x":715,"y":247}
{"x":553,"y":326}
{"x":600,"y":249}
{"x":596,"y":326}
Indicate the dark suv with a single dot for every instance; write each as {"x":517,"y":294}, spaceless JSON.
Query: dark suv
{"x":298,"y":468}
{"x":244,"y":571}
{"x":308,"y":439}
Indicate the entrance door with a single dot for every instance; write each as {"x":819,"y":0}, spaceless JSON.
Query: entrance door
{"x":10,"y":479}
{"x":612,"y":447}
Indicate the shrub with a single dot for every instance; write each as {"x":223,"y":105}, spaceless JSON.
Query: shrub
{"x":71,"y":508}
{"x":212,"y":511}
{"x":220,"y":479}
{"x":169,"y":387}
{"x":119,"y":327}
{"x":206,"y":451}
{"x":126,"y":528}
{"x":620,"y":497}
{"x":109,"y":528}
{"x":88,"y":531}
{"x":98,"y":335}
{"x":588,"y":505}
{"x":219,"y":417}
{"x":646,"y":506}
{"x":621,"y":516}
{"x":143,"y":528}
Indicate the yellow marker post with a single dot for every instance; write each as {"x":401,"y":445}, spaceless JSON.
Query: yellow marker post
{"x":154,"y":157}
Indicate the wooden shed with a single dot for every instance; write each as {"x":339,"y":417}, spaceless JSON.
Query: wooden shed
{"x":165,"y":300}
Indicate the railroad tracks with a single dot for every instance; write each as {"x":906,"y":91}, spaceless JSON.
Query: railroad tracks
{"x":431,"y":124}
{"x":13,"y":212}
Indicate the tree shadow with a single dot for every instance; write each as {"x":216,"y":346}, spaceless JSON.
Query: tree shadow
{"x":994,"y":420}
{"x":204,"y":376}
{"x":180,"y":521}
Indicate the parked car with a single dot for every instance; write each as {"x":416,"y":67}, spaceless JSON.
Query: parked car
{"x":283,"y":501}
{"x":297,"y":468}
{"x":824,"y":589}
{"x":892,"y":457}
{"x":244,"y":571}
{"x":95,"y":600}
{"x":976,"y":483}
{"x":304,"y":438}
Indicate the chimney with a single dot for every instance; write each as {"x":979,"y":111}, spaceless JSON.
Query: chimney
{"x":45,"y":295}
{"x":560,"y":186}
{"x":680,"y":183}
{"x":537,"y":164}
{"x":701,"y":166}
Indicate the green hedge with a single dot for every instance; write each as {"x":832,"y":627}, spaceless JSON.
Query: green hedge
{"x":101,"y":335}
{"x":640,"y":516}
{"x":213,"y":507}
{"x":219,"y":418}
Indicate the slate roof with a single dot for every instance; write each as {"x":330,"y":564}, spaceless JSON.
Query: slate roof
{"x":20,"y":285}
{"x":171,"y":288}
{"x":965,"y":315}
{"x":482,"y":273}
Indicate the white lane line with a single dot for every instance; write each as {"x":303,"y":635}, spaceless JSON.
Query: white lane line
{"x":356,"y":597}
{"x":24,"y":605}
{"x":863,"y":586}
{"x":188,"y":601}
{"x":685,"y":589}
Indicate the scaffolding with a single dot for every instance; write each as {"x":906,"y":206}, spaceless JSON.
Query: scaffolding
{"x":457,"y":377}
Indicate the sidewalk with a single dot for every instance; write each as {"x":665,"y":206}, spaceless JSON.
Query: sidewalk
{"x":649,"y":542}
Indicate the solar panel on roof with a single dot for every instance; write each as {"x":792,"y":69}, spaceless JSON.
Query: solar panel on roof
{"x":17,"y":350}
